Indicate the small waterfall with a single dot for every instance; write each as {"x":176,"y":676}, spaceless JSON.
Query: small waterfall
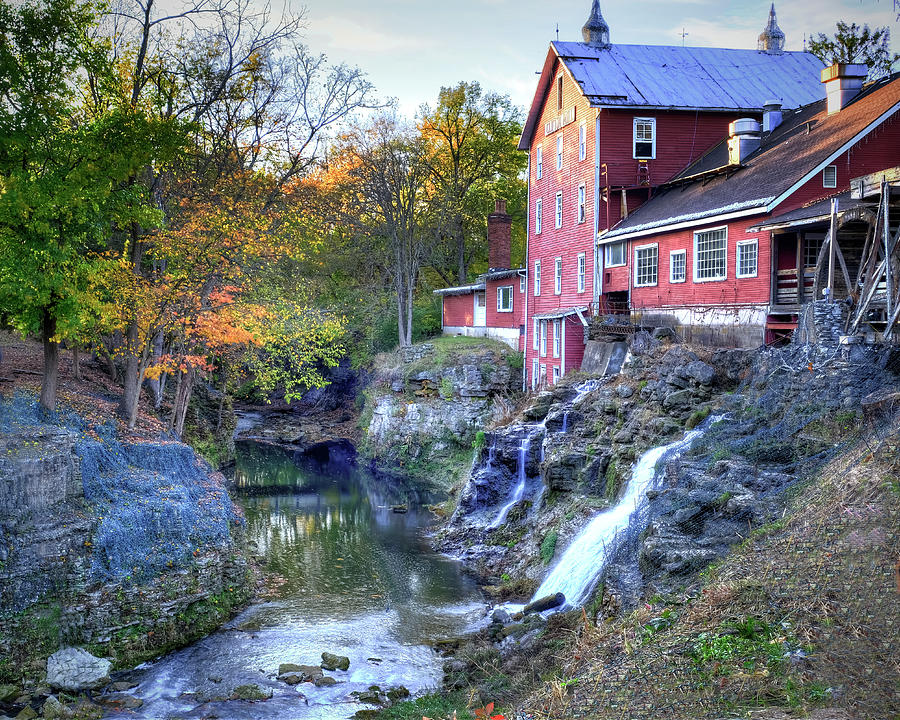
{"x":578,"y":570}
{"x":565,"y":424}
{"x":519,"y":492}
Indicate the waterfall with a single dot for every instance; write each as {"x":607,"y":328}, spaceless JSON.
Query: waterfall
{"x":565,"y":424}
{"x":578,"y":570}
{"x":519,"y":492}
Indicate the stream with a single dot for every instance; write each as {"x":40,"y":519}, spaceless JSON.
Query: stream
{"x":353,"y":578}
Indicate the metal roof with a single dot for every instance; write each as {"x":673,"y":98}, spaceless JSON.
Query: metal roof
{"x":681,"y":78}
{"x":459,"y":290}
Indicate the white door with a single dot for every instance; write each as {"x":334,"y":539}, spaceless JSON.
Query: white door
{"x":480,"y":309}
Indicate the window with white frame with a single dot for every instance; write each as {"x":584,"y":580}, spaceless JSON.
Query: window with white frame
{"x":534,"y":374}
{"x":677,"y":266}
{"x":710,"y":254}
{"x":557,"y":276}
{"x":580,"y":213}
{"x":829,"y":176}
{"x":747,"y":258}
{"x":537,"y":277}
{"x":646,"y":265}
{"x":582,"y":141}
{"x":644,"y":138}
{"x":543,"y":377}
{"x":521,"y":283}
{"x":614,"y":254}
{"x":582,"y":264}
{"x":555,"y":374}
{"x":538,"y":212}
{"x":535,"y":336}
{"x":559,"y":209}
{"x":505,"y":298}
{"x":539,"y":162}
{"x":556,"y":338}
{"x":559,"y":150}
{"x":543,"y":337}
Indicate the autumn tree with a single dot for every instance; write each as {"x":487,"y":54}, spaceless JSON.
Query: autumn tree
{"x":852,"y":43}
{"x":470,"y":139}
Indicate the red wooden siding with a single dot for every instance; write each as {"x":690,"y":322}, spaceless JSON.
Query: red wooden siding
{"x":459,"y":310}
{"x":504,"y":319}
{"x":731,"y":291}
{"x":574,"y":335}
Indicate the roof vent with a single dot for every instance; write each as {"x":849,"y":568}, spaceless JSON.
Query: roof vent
{"x":771,"y":40}
{"x":843,"y":83}
{"x":744,"y":138}
{"x":595,"y":31}
{"x":771,"y":115}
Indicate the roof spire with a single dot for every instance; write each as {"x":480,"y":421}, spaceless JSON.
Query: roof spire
{"x":771,"y":40}
{"x":595,"y":31}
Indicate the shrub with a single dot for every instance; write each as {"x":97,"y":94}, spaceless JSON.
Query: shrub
{"x":548,"y":546}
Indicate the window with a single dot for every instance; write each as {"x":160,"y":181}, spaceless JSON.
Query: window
{"x":521,"y":283}
{"x":644,"y":138}
{"x":557,"y":276}
{"x":829,"y":177}
{"x":559,"y":92}
{"x":559,"y":209}
{"x":646,"y":265}
{"x":581,"y":203}
{"x":747,"y":258}
{"x":538,"y":211}
{"x":812,"y":245}
{"x":614,"y":254}
{"x":539,"y":162}
{"x":677,"y":266}
{"x":543,"y":378}
{"x":534,"y":374}
{"x":555,"y":374}
{"x":505,"y":298}
{"x":536,"y":334}
{"x":543,"y":337}
{"x":537,"y":277}
{"x":582,"y":141}
{"x":559,"y":149}
{"x":581,"y":268}
{"x":556,"y":338}
{"x":710,"y":250}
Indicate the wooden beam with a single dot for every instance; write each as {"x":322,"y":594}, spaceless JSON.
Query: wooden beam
{"x":868,"y":185}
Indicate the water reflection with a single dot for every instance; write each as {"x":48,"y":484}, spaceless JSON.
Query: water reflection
{"x":358,"y":579}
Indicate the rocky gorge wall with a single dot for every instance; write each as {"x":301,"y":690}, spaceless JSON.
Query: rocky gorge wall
{"x":426,"y":405}
{"x":125,"y":548}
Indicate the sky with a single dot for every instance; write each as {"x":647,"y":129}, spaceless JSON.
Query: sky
{"x":411,"y":48}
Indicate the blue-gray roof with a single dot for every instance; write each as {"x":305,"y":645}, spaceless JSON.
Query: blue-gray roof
{"x":664,"y":76}
{"x":682,"y":78}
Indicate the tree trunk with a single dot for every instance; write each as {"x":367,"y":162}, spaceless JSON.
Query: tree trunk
{"x":76,"y":361}
{"x":131,"y":385}
{"x":182,"y":400}
{"x":409,"y":311}
{"x":461,"y":257}
{"x":50,"y":378}
{"x":156,"y":382}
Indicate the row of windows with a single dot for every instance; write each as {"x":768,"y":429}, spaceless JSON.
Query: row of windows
{"x":580,"y":211}
{"x":539,"y":152}
{"x":710,"y":259}
{"x":539,"y":336}
{"x":580,"y":271}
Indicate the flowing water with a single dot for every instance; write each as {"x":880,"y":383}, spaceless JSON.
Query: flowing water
{"x":355,"y":578}
{"x":581,"y":566}
{"x":519,"y":491}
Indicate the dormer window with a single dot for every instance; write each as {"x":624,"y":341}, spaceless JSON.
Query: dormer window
{"x":644,"y":138}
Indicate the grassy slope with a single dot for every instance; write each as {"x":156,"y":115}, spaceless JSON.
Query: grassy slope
{"x":821,"y":585}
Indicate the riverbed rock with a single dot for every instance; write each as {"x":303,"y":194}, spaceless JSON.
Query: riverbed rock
{"x":27,"y":713}
{"x":9,"y":692}
{"x":53,"y":709}
{"x":331,"y":661}
{"x":121,"y":701}
{"x":397,"y":693}
{"x":325,"y":681}
{"x":545,"y":603}
{"x":296,"y":674}
{"x":251,"y":692}
{"x":74,"y":670}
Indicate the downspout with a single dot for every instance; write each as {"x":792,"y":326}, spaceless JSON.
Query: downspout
{"x":527,"y":245}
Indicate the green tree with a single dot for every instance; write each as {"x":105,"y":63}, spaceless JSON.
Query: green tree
{"x":470,"y":142}
{"x":852,"y":43}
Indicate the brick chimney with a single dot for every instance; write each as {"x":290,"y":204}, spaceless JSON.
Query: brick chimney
{"x":842,"y":83}
{"x":499,"y":235}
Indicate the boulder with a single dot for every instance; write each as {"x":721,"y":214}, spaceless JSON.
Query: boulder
{"x":397,"y":693}
{"x":545,"y":603}
{"x":74,"y":670}
{"x":251,"y":692}
{"x":26,"y":713}
{"x":53,"y":709}
{"x":700,"y":371}
{"x":9,"y":693}
{"x":324,"y":681}
{"x":296,"y":674}
{"x":335,"y":662}
{"x":677,"y":400}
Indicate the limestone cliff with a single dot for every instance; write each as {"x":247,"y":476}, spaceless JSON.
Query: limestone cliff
{"x":126,"y":548}
{"x":426,"y":405}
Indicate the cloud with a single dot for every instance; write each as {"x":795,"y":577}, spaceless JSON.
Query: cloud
{"x":343,"y":35}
